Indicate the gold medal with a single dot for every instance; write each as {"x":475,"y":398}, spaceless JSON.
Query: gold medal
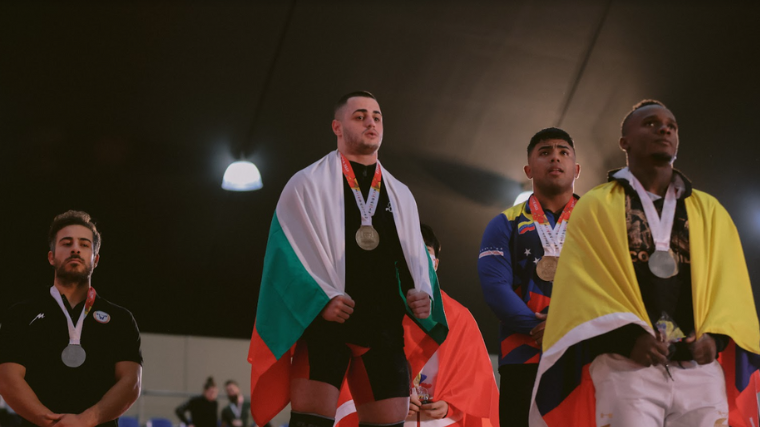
{"x":367,"y":237}
{"x":546,"y":268}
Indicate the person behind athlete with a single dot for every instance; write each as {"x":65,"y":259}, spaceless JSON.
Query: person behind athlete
{"x":518,"y":257}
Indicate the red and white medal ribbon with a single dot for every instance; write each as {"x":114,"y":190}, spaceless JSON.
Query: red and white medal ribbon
{"x":552,"y":239}
{"x":75,"y":331}
{"x":367,"y":208}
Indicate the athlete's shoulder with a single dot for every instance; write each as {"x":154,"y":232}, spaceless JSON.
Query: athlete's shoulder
{"x":314,"y":171}
{"x":26,"y":310}
{"x":514,"y":212}
{"x":600,"y":197}
{"x":704,"y":197}
{"x":105,"y":309}
{"x":706,"y":205}
{"x":397,"y":185}
{"x":601,"y":191}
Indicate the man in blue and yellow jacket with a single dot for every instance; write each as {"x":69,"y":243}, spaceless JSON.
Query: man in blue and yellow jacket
{"x":518,"y":257}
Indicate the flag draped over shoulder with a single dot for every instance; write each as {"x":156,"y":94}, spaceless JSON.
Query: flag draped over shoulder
{"x":304,"y":268}
{"x":596,"y":291}
{"x":465,"y":377}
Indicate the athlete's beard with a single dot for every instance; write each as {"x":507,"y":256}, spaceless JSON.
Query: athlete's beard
{"x":73,"y":277}
{"x":357,"y":143}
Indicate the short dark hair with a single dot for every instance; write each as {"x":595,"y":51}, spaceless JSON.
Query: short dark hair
{"x":73,"y":218}
{"x":231,"y":382}
{"x":209,"y":383}
{"x":641,"y":104}
{"x":430,"y":240}
{"x":549,"y":133}
{"x":344,"y":99}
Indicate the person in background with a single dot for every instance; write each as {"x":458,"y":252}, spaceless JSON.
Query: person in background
{"x":203,"y":409}
{"x":456,"y":385}
{"x":238,"y":410}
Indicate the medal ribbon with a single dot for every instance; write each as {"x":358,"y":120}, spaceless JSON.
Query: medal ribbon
{"x":552,"y":239}
{"x":661,"y":226}
{"x":75,"y":332}
{"x":366,"y":208}
{"x":237,"y":410}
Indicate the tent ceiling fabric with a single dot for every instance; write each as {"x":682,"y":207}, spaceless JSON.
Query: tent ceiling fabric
{"x":132,"y":113}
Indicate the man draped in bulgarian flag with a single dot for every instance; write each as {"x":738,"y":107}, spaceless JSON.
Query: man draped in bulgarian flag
{"x":345,"y":262}
{"x":651,"y":286}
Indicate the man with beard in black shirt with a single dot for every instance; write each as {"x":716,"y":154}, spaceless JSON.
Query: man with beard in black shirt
{"x":83,"y":375}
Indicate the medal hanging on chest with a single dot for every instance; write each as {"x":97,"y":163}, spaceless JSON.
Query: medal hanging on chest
{"x":552,"y":238}
{"x":662,"y":263}
{"x":73,"y":354}
{"x":366,"y":236}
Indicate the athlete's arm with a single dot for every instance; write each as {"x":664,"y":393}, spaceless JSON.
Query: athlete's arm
{"x":339,"y":309}
{"x":20,"y":397}
{"x":496,"y":279}
{"x":114,"y":403}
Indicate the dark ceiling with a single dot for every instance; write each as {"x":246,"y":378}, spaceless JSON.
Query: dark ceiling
{"x":132,"y":112}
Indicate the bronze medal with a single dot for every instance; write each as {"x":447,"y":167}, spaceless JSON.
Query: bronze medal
{"x":663,"y":264}
{"x":546,"y":268}
{"x":367,"y":237}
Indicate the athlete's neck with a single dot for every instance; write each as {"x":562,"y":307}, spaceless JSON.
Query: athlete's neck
{"x":364,"y":159}
{"x":654,"y":179}
{"x":553,"y":202}
{"x":74,"y":292}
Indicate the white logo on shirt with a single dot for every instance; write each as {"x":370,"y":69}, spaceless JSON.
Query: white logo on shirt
{"x":101,"y":316}
{"x":39,"y":316}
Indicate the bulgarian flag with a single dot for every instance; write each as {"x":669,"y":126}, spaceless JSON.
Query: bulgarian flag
{"x":596,"y":291}
{"x":304,"y":268}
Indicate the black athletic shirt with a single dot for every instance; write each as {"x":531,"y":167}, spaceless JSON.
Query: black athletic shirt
{"x":671,"y":295}
{"x":374,"y":279}
{"x":35,"y":332}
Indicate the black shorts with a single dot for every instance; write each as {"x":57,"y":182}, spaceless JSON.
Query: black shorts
{"x":376,"y":373}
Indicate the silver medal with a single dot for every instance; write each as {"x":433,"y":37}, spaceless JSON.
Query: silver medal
{"x":73,"y":356}
{"x":663,"y":264}
{"x":367,"y":237}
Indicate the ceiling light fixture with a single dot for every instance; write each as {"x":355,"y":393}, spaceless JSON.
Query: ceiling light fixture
{"x":242,"y":176}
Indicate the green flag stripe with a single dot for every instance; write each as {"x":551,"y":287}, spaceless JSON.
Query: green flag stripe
{"x":434,"y":325}
{"x":289,"y":298}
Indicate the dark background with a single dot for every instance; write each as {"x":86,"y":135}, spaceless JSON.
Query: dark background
{"x":133,"y":111}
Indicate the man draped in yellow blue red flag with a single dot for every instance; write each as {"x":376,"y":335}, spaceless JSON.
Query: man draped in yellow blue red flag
{"x":651,"y":286}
